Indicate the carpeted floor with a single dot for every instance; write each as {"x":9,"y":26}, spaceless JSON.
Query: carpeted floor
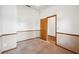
{"x":37,"y":46}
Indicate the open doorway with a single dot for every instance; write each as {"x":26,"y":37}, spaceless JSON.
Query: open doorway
{"x":48,"y":28}
{"x":51,"y":29}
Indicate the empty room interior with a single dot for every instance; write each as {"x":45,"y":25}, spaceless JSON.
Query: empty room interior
{"x":39,"y":29}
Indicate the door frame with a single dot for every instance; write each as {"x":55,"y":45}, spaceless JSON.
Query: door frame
{"x":55,"y":24}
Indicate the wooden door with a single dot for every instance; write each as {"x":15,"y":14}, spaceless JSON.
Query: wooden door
{"x":43,"y":28}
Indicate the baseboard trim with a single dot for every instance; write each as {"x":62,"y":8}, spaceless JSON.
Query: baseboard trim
{"x":51,"y":36}
{"x":16,"y":47}
{"x":67,"y":34}
{"x":67,"y":49}
{"x":8,"y":50}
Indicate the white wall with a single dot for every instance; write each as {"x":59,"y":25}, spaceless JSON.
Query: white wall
{"x":53,"y":10}
{"x":0,"y":20}
{"x":28,"y":19}
{"x":68,"y":19}
{"x":67,"y":22}
{"x":0,"y":28}
{"x":0,"y":44}
{"x":17,"y":18}
{"x":68,"y":42}
{"x":51,"y":26}
{"x":9,"y":42}
{"x":8,"y":17}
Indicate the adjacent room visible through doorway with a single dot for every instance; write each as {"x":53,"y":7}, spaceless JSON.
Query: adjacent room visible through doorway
{"x":51,"y":29}
{"x":48,"y":28}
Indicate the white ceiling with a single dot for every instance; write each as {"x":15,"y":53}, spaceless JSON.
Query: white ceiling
{"x":40,"y":7}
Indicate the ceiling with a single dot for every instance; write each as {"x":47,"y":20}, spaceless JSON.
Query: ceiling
{"x":40,"y":7}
